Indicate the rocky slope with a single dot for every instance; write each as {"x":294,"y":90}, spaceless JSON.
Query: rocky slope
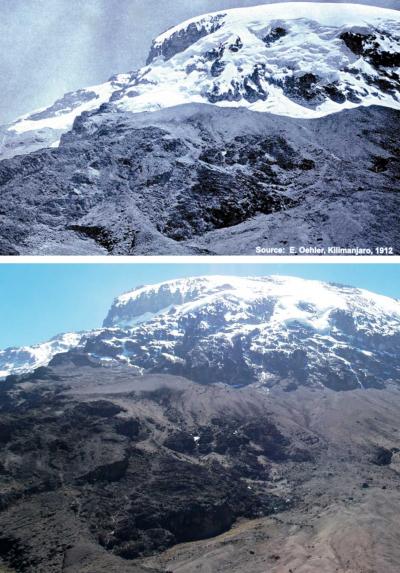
{"x":295,"y":59}
{"x":103,"y":470}
{"x":242,"y":331}
{"x":130,"y":476}
{"x":201,"y":179}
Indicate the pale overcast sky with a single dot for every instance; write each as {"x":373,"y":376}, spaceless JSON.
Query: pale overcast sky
{"x":48,"y":47}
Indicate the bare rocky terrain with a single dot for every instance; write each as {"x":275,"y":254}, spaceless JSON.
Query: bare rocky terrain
{"x":198,"y":179}
{"x":102,"y":470}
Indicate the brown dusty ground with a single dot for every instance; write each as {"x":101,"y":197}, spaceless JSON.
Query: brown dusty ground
{"x":338,"y":525}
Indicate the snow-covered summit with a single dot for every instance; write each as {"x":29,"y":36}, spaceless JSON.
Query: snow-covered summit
{"x":301,"y":59}
{"x":241,"y":330}
{"x":295,"y":299}
{"x":297,"y":59}
{"x":326,"y":14}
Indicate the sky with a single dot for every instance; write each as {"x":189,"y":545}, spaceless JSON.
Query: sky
{"x":49,"y":47}
{"x":38,"y":301}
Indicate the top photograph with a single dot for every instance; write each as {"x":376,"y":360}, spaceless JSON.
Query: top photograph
{"x":204,"y":127}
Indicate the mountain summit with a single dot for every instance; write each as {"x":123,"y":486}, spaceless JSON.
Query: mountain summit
{"x":240,"y":331}
{"x":302,"y":60}
{"x":295,"y":59}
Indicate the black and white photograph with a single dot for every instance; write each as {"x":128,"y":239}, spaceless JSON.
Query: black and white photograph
{"x":248,"y":130}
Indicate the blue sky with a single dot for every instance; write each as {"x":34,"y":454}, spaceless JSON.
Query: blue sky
{"x":38,"y":301}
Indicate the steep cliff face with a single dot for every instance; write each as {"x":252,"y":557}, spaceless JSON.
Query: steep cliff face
{"x":179,"y":40}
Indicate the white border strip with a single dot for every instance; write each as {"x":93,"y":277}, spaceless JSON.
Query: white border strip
{"x":209,"y":260}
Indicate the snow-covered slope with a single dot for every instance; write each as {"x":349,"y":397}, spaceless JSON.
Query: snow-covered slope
{"x":63,"y":112}
{"x":44,"y":127}
{"x":28,"y":358}
{"x":296,"y":59}
{"x":261,"y":330}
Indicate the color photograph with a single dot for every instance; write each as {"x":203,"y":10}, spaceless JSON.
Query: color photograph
{"x":154,"y":421}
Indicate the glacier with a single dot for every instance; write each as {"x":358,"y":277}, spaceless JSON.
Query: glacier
{"x":301,"y":60}
{"x":267,"y":329}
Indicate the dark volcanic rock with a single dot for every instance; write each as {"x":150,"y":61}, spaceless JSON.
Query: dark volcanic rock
{"x":99,"y":408}
{"x":304,"y":88}
{"x":84,"y":464}
{"x":183,"y":38}
{"x":102,"y":470}
{"x":382,"y":457}
{"x":181,"y":442}
{"x":366,"y":45}
{"x":275,"y":35}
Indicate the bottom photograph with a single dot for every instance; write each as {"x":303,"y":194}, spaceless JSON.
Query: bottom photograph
{"x":190,"y":418}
